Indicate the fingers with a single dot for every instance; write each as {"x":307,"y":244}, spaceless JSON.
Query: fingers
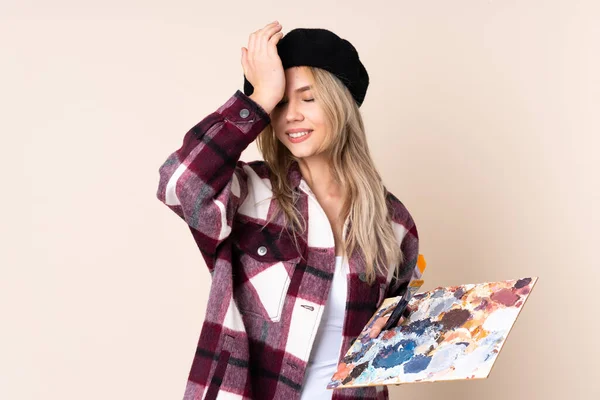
{"x":380,"y":323}
{"x":265,"y":36}
{"x":274,"y":40}
{"x":251,"y":41}
{"x":408,"y":311}
{"x":264,"y":39}
{"x":377,"y":326}
{"x":259,"y":40}
{"x":244,"y":59}
{"x":262,"y":65}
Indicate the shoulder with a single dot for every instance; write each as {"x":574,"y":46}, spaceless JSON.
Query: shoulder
{"x":399,"y":213}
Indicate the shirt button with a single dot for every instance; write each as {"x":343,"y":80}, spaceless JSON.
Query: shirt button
{"x":262,"y":250}
{"x":244,"y":113}
{"x":362,"y":276}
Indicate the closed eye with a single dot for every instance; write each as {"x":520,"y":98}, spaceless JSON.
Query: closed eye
{"x":281,"y":103}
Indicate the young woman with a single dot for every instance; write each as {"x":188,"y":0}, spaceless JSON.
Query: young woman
{"x":302,"y":246}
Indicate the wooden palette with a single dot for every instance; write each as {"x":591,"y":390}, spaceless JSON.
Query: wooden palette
{"x":453,"y":333}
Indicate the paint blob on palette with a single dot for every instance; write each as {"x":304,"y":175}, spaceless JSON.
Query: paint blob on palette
{"x":453,"y":333}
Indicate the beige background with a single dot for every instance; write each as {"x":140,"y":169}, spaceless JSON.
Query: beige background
{"x":482,"y":118}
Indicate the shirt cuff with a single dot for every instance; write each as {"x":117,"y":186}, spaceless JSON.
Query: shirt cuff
{"x":255,"y":110}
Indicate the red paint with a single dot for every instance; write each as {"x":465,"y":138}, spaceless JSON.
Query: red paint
{"x":505,"y":296}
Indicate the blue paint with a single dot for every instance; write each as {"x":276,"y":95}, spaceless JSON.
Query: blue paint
{"x":418,"y":327}
{"x":459,"y":292}
{"x":392,"y":356}
{"x":440,"y":306}
{"x":522,"y":283}
{"x":352,"y":358}
{"x":417,"y":364}
{"x":365,"y":339}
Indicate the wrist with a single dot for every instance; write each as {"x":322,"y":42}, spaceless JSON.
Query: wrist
{"x":266,"y":103}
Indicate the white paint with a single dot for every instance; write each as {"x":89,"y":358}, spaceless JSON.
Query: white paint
{"x":501,"y":319}
{"x":475,"y":363}
{"x":444,"y":357}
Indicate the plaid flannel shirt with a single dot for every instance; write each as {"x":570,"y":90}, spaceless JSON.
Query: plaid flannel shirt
{"x":266,"y":299}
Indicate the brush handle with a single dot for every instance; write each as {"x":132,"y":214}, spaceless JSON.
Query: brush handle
{"x":396,"y":314}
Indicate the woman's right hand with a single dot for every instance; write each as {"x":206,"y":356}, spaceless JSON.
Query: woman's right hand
{"x":262,"y":66}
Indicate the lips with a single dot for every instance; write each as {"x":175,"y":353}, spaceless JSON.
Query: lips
{"x":301,"y":138}
{"x":298,"y":130}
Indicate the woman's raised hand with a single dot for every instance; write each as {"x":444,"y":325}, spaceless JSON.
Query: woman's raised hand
{"x":262,"y":66}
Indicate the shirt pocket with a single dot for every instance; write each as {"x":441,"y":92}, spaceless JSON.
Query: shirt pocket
{"x":264,"y":262}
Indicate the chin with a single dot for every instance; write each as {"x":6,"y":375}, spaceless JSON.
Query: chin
{"x":300,"y":153}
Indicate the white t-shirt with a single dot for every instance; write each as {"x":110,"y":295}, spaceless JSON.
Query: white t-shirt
{"x":323,"y":359}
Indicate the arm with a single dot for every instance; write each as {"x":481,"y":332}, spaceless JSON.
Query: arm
{"x":203,"y":182}
{"x":411,"y":267}
{"x":413,"y":262}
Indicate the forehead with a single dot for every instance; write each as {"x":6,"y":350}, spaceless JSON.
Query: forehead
{"x":297,"y":77}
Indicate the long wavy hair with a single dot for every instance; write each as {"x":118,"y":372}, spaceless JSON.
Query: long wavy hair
{"x":370,"y":228}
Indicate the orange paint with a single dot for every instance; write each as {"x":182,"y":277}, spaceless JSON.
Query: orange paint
{"x":421,"y":264}
{"x":342,"y":371}
{"x":389,"y":334}
{"x":479,"y":333}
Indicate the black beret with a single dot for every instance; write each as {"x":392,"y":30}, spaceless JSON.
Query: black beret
{"x":324,"y":49}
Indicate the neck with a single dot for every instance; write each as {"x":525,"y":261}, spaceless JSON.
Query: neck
{"x":319,"y":177}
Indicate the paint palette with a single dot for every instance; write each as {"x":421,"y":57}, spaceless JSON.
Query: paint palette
{"x":453,"y":333}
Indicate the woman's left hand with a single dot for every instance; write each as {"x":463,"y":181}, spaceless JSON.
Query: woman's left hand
{"x":381,"y":321}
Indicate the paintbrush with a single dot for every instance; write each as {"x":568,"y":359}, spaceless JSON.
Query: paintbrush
{"x":412,"y":288}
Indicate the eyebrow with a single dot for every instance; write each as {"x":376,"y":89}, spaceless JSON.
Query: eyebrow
{"x":304,"y":88}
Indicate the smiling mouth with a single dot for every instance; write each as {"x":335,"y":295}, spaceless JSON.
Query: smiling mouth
{"x":300,"y":137}
{"x":297,"y":135}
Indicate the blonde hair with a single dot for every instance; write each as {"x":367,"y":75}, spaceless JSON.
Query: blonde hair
{"x":370,"y":228}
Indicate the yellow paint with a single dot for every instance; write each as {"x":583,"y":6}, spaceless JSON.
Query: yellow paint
{"x":479,"y":333}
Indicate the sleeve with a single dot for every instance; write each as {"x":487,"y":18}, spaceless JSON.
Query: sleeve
{"x":413,"y":263}
{"x":204,"y":182}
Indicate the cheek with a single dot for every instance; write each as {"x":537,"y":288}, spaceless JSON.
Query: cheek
{"x":280,"y":134}
{"x":317,"y":119}
{"x":280,"y":137}
{"x":277,"y":123}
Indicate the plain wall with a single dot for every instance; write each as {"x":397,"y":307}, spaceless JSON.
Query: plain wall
{"x":482,"y":117}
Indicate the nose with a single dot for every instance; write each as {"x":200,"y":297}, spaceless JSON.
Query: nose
{"x":292,"y":112}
